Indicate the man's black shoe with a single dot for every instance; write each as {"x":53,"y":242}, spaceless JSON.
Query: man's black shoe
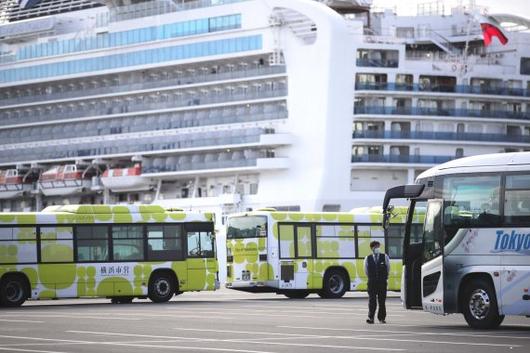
{"x":382,"y":321}
{"x":369,"y":321}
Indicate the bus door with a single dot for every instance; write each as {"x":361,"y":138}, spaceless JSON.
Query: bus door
{"x":296,"y":250}
{"x":201,"y":261}
{"x":432,"y":267}
{"x":412,"y":258}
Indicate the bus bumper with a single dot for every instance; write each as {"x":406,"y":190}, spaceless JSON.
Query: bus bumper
{"x":253,"y":287}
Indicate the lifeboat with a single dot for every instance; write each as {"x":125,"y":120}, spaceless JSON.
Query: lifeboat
{"x":64,"y":180}
{"x":12,"y":184}
{"x":126,"y":179}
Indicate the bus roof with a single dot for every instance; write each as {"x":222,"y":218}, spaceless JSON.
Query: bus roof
{"x":104,"y":214}
{"x":104,"y":209}
{"x":497,"y":162}
{"x":373,"y":213}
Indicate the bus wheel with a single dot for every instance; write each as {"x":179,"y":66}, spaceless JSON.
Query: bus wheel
{"x":161,"y":288}
{"x":479,"y":305}
{"x":296,"y":294}
{"x":13,"y":291}
{"x":335,"y":285}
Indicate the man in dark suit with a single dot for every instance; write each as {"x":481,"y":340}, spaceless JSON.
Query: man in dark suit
{"x":376,"y":268}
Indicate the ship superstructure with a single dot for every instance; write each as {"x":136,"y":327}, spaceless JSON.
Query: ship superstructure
{"x":231,"y":105}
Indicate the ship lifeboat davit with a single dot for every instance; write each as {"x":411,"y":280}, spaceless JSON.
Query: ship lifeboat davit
{"x":64,"y":180}
{"x":125,"y":179}
{"x":12,"y":184}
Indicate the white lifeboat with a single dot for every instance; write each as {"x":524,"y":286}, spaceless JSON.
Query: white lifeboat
{"x":12,"y":184}
{"x":126,"y":179}
{"x":64,"y":180}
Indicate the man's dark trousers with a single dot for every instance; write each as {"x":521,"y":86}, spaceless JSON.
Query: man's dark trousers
{"x":377,"y":293}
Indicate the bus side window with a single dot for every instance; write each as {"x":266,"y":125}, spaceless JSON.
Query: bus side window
{"x":200,"y":240}
{"x":56,"y":244}
{"x":164,"y":242}
{"x":517,"y":199}
{"x":127,"y":243}
{"x":21,"y":239}
{"x":92,"y":243}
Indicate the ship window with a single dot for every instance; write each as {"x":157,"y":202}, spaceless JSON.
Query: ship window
{"x":525,"y":66}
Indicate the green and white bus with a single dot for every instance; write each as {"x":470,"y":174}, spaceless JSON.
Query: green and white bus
{"x":117,"y":252}
{"x":473,"y":256}
{"x":295,"y":254}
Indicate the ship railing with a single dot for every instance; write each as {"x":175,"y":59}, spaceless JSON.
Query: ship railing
{"x":159,"y":83}
{"x":478,"y":113}
{"x":411,"y":159}
{"x":136,"y":145}
{"x":134,"y":124}
{"x":128,"y":107}
{"x":129,"y":12}
{"x":437,"y":135}
{"x":467,"y":89}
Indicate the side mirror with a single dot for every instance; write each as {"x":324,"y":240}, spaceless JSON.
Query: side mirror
{"x":386,"y":216}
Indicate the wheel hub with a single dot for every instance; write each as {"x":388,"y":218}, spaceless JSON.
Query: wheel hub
{"x":479,"y":304}
{"x":336,"y":284}
{"x":13,"y":292}
{"x":162,"y":287}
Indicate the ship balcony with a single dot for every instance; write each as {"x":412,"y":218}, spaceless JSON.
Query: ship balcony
{"x":131,"y":124}
{"x":154,"y":143}
{"x":144,"y":103}
{"x":443,"y":136}
{"x":449,"y":112}
{"x":216,"y":164}
{"x":93,"y":89}
{"x":381,"y":159}
{"x":460,"y":89}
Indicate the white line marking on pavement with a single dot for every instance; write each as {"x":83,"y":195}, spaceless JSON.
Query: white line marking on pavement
{"x":210,"y":340}
{"x":58,"y":316}
{"x":351,"y":348}
{"x":42,"y":339}
{"x":12,"y":349}
{"x":287,"y":344}
{"x":166,"y":347}
{"x":412,"y":340}
{"x":24,"y":321}
{"x":410,"y":332}
{"x":251,"y":332}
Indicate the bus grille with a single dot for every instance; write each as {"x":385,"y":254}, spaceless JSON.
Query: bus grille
{"x":287,"y":273}
{"x":430,"y":283}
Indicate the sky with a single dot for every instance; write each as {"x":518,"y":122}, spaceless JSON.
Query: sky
{"x":408,"y":7}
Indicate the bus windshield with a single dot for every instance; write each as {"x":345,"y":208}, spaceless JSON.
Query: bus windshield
{"x":247,"y":227}
{"x":470,"y":202}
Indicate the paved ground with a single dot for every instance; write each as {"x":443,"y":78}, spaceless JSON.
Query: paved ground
{"x":229,"y":321}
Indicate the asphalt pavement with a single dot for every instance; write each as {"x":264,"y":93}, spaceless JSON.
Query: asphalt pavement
{"x":228,"y":321}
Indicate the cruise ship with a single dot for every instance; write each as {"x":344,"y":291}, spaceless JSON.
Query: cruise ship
{"x":233,"y":105}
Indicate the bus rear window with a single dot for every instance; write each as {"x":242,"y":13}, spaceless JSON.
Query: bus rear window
{"x":247,"y":227}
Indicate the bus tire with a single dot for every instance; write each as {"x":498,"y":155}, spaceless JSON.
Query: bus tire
{"x":296,"y":294}
{"x":479,"y":305}
{"x":335,"y":284}
{"x":161,"y":287}
{"x":13,"y":290}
